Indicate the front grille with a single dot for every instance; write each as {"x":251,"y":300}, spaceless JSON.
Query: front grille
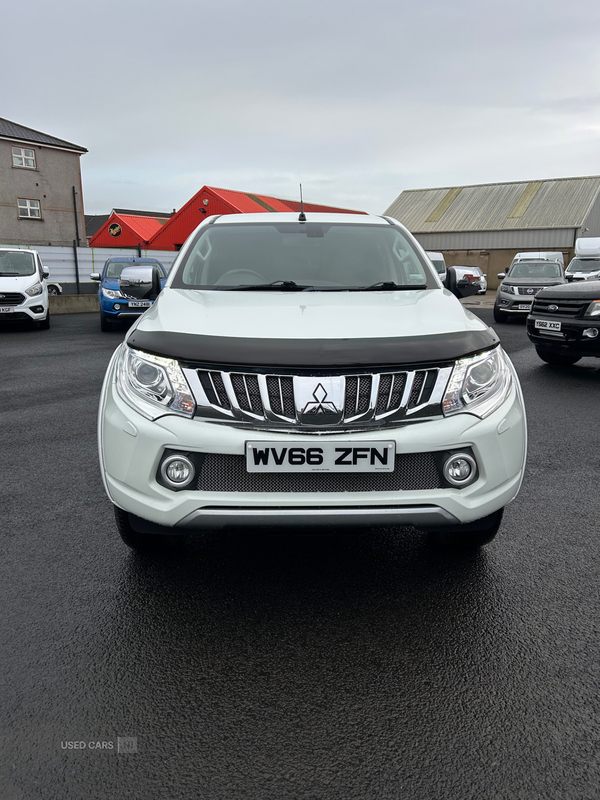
{"x":224,"y":473}
{"x":11,"y":299}
{"x":528,"y":291}
{"x":566,"y":308}
{"x":381,"y":398}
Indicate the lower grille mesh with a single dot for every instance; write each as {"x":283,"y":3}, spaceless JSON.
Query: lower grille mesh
{"x":224,"y":473}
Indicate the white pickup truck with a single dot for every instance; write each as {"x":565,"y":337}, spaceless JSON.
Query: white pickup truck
{"x":309,"y":372}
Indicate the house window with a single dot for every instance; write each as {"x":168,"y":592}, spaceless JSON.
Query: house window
{"x":29,"y":209}
{"x":23,"y":157}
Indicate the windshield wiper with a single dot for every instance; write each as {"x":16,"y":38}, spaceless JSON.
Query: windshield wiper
{"x":386,"y":286}
{"x":286,"y":286}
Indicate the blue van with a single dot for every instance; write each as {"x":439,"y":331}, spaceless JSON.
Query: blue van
{"x":114,"y":305}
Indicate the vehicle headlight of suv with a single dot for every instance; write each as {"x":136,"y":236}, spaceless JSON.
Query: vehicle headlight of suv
{"x":152,"y":385}
{"x":593,"y":310}
{"x":34,"y":290}
{"x":508,"y":288}
{"x":478,"y":384}
{"x":113,"y":294}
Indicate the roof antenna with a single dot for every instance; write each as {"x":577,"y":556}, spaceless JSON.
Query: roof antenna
{"x":302,"y":217}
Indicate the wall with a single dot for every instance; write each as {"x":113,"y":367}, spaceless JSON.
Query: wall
{"x":61,"y":263}
{"x":534,"y":239}
{"x":51,"y":182}
{"x":491,"y":261}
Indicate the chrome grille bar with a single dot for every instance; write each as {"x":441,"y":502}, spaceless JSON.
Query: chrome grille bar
{"x":267,"y":400}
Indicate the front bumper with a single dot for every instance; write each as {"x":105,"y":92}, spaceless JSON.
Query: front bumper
{"x":33,"y":308}
{"x":514,"y":304}
{"x":570,"y":339}
{"x":131,"y":448}
{"x":108,"y":310}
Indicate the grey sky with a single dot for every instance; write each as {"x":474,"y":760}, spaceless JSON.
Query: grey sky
{"x":356,"y":100}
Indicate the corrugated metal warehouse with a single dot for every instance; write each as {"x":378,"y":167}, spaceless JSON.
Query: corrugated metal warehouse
{"x":486,"y":224}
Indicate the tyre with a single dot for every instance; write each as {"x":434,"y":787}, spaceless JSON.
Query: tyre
{"x":45,"y":323}
{"x":556,"y":359}
{"x":144,"y":542}
{"x":500,"y":316}
{"x":105,"y":325}
{"x":53,"y":290}
{"x":469,"y":536}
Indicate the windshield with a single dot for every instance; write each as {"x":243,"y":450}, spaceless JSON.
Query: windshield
{"x":296,"y":256}
{"x":115,"y":268}
{"x":16,"y":263}
{"x":584,"y":265}
{"x":439,"y":265}
{"x":535,"y":269}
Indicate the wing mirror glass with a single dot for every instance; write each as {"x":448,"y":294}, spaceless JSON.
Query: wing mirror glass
{"x":462,"y":287}
{"x":141,"y":282}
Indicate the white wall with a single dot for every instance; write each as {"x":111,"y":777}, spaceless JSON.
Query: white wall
{"x":61,"y":260}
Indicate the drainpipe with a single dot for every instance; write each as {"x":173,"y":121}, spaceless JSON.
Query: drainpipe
{"x":75,"y":212}
{"x":139,"y":249}
{"x":76,"y":262}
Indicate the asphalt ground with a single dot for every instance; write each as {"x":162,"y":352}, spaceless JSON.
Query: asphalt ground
{"x":269,"y":666}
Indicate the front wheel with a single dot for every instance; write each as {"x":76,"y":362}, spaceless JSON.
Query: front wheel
{"x":500,"y":316}
{"x":143,"y":542}
{"x":471,"y":535}
{"x":556,"y":359}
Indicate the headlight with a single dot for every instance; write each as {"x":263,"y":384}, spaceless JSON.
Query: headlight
{"x":508,"y":289}
{"x":152,"y":384}
{"x":478,"y":384}
{"x":34,"y":290}
{"x":593,"y":310}
{"x":113,"y":294}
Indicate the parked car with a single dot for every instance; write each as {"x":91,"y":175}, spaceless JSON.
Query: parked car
{"x":473,"y":274}
{"x":309,"y":371}
{"x":586,"y":264}
{"x":115,"y":302}
{"x":540,"y":255}
{"x":522,"y":283}
{"x":23,"y":289}
{"x":439,"y":262}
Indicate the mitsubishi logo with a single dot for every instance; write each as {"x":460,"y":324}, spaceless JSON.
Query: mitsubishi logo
{"x":319,"y":400}
{"x":552,"y":308}
{"x":320,"y":405}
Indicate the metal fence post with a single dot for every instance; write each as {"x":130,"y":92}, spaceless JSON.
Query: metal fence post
{"x":76,"y":266}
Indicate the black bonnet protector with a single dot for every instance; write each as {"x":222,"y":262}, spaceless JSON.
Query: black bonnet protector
{"x":313,"y":353}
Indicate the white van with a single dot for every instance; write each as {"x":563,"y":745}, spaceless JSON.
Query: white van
{"x":439,"y":262}
{"x":23,"y":287}
{"x":546,"y":255}
{"x":586,"y":264}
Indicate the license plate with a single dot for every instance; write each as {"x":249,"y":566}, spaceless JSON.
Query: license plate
{"x":547,"y":325}
{"x":7,"y":310}
{"x":524,"y":306}
{"x":320,"y":456}
{"x":141,"y":304}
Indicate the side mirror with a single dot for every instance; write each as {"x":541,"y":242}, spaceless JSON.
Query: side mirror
{"x":501,"y":276}
{"x":45,"y":272}
{"x":95,"y":276}
{"x":141,"y":282}
{"x":462,"y":287}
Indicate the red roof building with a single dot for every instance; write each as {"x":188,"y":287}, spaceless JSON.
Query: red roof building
{"x":210,"y":201}
{"x":127,"y":230}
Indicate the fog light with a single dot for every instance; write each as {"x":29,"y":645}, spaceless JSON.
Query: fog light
{"x":117,"y":306}
{"x":590,"y":333}
{"x":177,"y":471}
{"x":460,"y":469}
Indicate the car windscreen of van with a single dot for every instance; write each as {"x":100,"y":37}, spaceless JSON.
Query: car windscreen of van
{"x":584,"y":265}
{"x":315,"y":256}
{"x":16,"y":263}
{"x":439,"y":265}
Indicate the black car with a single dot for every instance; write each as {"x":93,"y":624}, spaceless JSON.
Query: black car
{"x":564,"y":324}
